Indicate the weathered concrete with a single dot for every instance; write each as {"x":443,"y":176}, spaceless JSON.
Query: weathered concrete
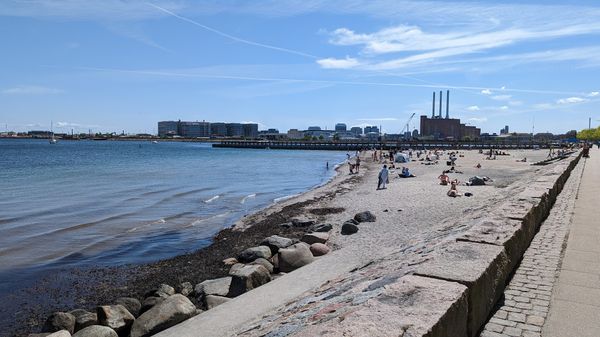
{"x":482,"y":268}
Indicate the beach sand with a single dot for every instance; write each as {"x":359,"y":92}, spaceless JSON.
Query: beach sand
{"x":411,"y":215}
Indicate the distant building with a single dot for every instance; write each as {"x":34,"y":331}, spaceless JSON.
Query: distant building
{"x":415,"y":133}
{"x":218,"y":130}
{"x":371,"y":129}
{"x":295,"y":134}
{"x":504,"y":130}
{"x":340,"y":127}
{"x":357,"y":130}
{"x":320,"y":134}
{"x":314,"y":128}
{"x":168,"y":128}
{"x":250,"y":130}
{"x":437,"y":127}
{"x":235,"y":130}
{"x":194,"y":129}
{"x":40,"y":134}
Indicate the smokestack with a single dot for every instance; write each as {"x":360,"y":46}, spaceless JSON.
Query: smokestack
{"x":447,"y":104}
{"x":441,"y":93}
{"x":433,"y":106}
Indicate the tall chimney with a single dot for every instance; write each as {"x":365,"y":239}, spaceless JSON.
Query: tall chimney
{"x":441,"y":103}
{"x":447,"y":104}
{"x":433,"y":107}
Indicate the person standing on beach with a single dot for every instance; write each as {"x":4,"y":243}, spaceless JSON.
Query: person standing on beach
{"x":357,"y":164}
{"x":383,"y":178}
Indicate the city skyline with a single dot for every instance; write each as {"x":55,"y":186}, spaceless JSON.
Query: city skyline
{"x":116,"y":65}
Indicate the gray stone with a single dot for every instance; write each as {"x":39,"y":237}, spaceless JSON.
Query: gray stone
{"x":294,"y":257}
{"x":482,"y":268}
{"x":218,"y":287}
{"x":265,"y":263}
{"x":84,"y":318}
{"x":173,"y":310}
{"x":185,"y":288}
{"x":61,"y":333}
{"x":276,"y":242}
{"x":254,"y":253}
{"x":321,"y":227}
{"x":164,"y":291}
{"x":115,"y":317}
{"x":247,"y":278}
{"x":132,"y":305}
{"x":319,"y":249}
{"x":60,"y":321}
{"x":302,"y":222}
{"x":96,"y":331}
{"x":349,"y":228}
{"x":149,"y":302}
{"x":366,"y":216}
{"x":316,"y":237}
{"x":212,"y":301}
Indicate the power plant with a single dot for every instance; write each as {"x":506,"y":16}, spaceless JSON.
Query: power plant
{"x":440,"y":128}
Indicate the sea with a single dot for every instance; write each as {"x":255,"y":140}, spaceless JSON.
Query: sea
{"x":108,"y":203}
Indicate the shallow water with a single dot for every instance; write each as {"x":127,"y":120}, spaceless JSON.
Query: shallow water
{"x":87,"y":203}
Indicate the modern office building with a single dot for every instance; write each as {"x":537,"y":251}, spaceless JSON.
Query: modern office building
{"x":340,"y":127}
{"x":295,"y":134}
{"x":371,"y":129}
{"x":168,"y":128}
{"x":194,"y":129}
{"x":357,"y":130}
{"x":250,"y":130}
{"x":218,"y":129}
{"x":437,"y":127}
{"x":235,"y":129}
{"x":314,"y":128}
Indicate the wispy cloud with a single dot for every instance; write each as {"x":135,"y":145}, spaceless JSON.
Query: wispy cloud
{"x":31,"y":90}
{"x":473,"y":108}
{"x":593,"y":94}
{"x":486,"y":92}
{"x":333,"y":63}
{"x":571,"y":100}
{"x":502,"y":97}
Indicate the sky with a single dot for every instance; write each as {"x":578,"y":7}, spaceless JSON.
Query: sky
{"x":113,"y":65}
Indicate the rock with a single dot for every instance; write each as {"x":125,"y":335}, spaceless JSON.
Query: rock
{"x":265,"y":263}
{"x":84,"y":318}
{"x":219,"y":286}
{"x":285,"y":225}
{"x":294,"y":257}
{"x":349,"y":228}
{"x":149,"y":302}
{"x":132,"y":305}
{"x":60,"y":321}
{"x":316,"y":237}
{"x":230,"y":261}
{"x":321,"y":227}
{"x":163,"y":290}
{"x":302,"y":222}
{"x":366,"y":216}
{"x":319,"y":249}
{"x":235,"y":267}
{"x":173,"y":310}
{"x":276,"y":242}
{"x":247,"y":278}
{"x":254,"y":253}
{"x":212,"y":301}
{"x":61,"y":333}
{"x":96,"y":331}
{"x":115,"y":317}
{"x":185,"y":288}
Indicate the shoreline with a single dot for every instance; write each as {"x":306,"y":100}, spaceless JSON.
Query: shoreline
{"x":68,"y":289}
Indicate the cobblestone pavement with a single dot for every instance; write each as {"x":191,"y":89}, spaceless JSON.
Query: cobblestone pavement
{"x":526,"y":302}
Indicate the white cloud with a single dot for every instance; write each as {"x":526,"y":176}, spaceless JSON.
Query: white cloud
{"x":593,"y":94}
{"x":473,"y":108}
{"x":31,"y":90}
{"x":504,"y":107}
{"x":486,"y":92}
{"x":502,"y":97}
{"x":478,"y":119}
{"x":333,"y":63}
{"x":571,"y":100}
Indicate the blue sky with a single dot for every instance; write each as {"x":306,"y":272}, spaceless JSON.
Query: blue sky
{"x":124,"y":65}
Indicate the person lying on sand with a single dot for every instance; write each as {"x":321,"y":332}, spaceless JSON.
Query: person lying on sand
{"x":444,"y":179}
{"x":452,"y":170}
{"x":524,"y":160}
{"x":453,"y":192}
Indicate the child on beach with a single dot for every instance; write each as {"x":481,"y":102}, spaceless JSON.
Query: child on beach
{"x":383,"y":178}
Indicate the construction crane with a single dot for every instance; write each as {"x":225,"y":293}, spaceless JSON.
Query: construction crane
{"x":406,"y":126}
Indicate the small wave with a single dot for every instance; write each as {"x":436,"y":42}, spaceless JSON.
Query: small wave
{"x":247,"y":197}
{"x":276,"y":200}
{"x":199,"y":221}
{"x":212,"y":199}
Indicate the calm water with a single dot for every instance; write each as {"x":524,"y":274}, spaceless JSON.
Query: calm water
{"x":80,"y":203}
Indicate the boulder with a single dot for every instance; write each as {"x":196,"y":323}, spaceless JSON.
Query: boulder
{"x":319,"y":249}
{"x":96,"y":331}
{"x":285,"y":225}
{"x":115,"y":317}
{"x":163,"y":290}
{"x":84,"y":318}
{"x":132,"y":305}
{"x":185,"y":288}
{"x":61,"y":333}
{"x":326,"y":227}
{"x":247,"y":278}
{"x":60,"y":321}
{"x":254,"y":253}
{"x":316,"y":237}
{"x":230,"y":261}
{"x":366,"y":216}
{"x":349,"y":228}
{"x":218,"y":287}
{"x":149,"y":302}
{"x":276,"y":242}
{"x":302,"y":222}
{"x":235,"y":267}
{"x":294,"y":257}
{"x":173,"y":310}
{"x":264,"y":263}
{"x":212,"y":301}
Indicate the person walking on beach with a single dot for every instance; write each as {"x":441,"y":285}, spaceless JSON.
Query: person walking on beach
{"x":383,"y":178}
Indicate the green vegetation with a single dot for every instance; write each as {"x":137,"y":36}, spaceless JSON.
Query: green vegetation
{"x":591,"y":135}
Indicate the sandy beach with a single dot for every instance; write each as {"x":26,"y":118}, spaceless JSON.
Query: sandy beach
{"x":412,"y":216}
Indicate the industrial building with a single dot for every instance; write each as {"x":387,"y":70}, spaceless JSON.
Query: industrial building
{"x":438,"y":127}
{"x":205,"y":129}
